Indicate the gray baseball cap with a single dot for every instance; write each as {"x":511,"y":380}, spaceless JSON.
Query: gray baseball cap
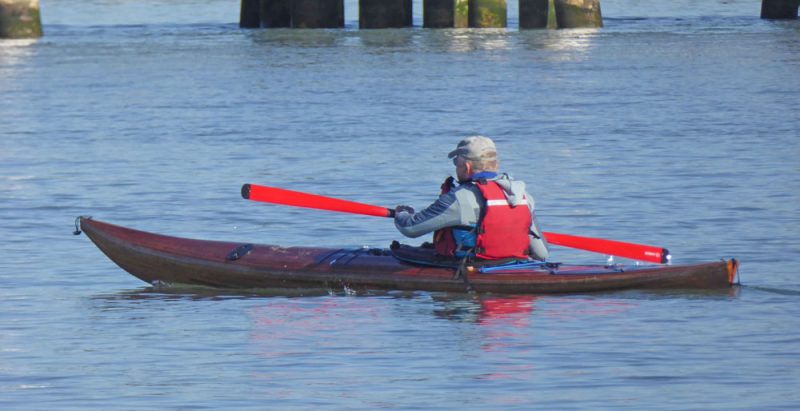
{"x":475,"y":148}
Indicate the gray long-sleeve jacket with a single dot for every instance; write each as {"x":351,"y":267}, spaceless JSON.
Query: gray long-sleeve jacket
{"x":462,"y":207}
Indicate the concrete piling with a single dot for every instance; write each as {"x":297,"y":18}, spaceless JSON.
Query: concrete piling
{"x":275,"y":13}
{"x":464,"y":13}
{"x":437,"y":14}
{"x":440,"y":14}
{"x":20,"y":19}
{"x":316,"y":14}
{"x":780,"y":9}
{"x":578,"y":13}
{"x":533,"y":14}
{"x":249,"y":17}
{"x":292,"y":13}
{"x":381,"y":14}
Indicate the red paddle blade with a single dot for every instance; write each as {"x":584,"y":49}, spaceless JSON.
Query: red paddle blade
{"x":297,"y":199}
{"x":617,"y":248}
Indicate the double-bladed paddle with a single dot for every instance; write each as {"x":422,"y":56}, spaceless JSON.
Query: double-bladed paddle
{"x":282,"y":196}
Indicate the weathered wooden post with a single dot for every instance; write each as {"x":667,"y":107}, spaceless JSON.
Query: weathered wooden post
{"x":487,"y":13}
{"x":578,"y":13}
{"x":20,"y":19}
{"x":381,"y":14}
{"x":779,"y":9}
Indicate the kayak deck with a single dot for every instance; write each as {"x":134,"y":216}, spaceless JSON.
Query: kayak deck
{"x":156,"y":258}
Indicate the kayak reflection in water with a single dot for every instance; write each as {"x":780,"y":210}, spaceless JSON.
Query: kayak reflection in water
{"x":486,"y":310}
{"x":487,"y":215}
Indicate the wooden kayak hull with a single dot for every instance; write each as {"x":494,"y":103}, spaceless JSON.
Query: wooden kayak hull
{"x":160,"y":259}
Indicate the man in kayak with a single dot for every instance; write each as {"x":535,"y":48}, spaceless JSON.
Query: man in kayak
{"x":487,"y":215}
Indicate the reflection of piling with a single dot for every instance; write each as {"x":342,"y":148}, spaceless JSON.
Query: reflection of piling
{"x":292,"y":13}
{"x":380,"y":14}
{"x":779,"y":9}
{"x":578,"y":13}
{"x":20,"y":19}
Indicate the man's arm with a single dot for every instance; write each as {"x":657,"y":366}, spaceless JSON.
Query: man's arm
{"x":444,"y":212}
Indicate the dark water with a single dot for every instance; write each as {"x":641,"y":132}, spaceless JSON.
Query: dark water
{"x":677,"y":124}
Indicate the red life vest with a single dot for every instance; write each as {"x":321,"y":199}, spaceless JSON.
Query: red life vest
{"x":502,"y":230}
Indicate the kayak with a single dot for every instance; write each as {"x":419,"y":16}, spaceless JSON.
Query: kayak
{"x":165,"y":260}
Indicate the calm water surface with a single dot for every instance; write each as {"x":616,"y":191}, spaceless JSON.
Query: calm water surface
{"x":677,"y":124}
